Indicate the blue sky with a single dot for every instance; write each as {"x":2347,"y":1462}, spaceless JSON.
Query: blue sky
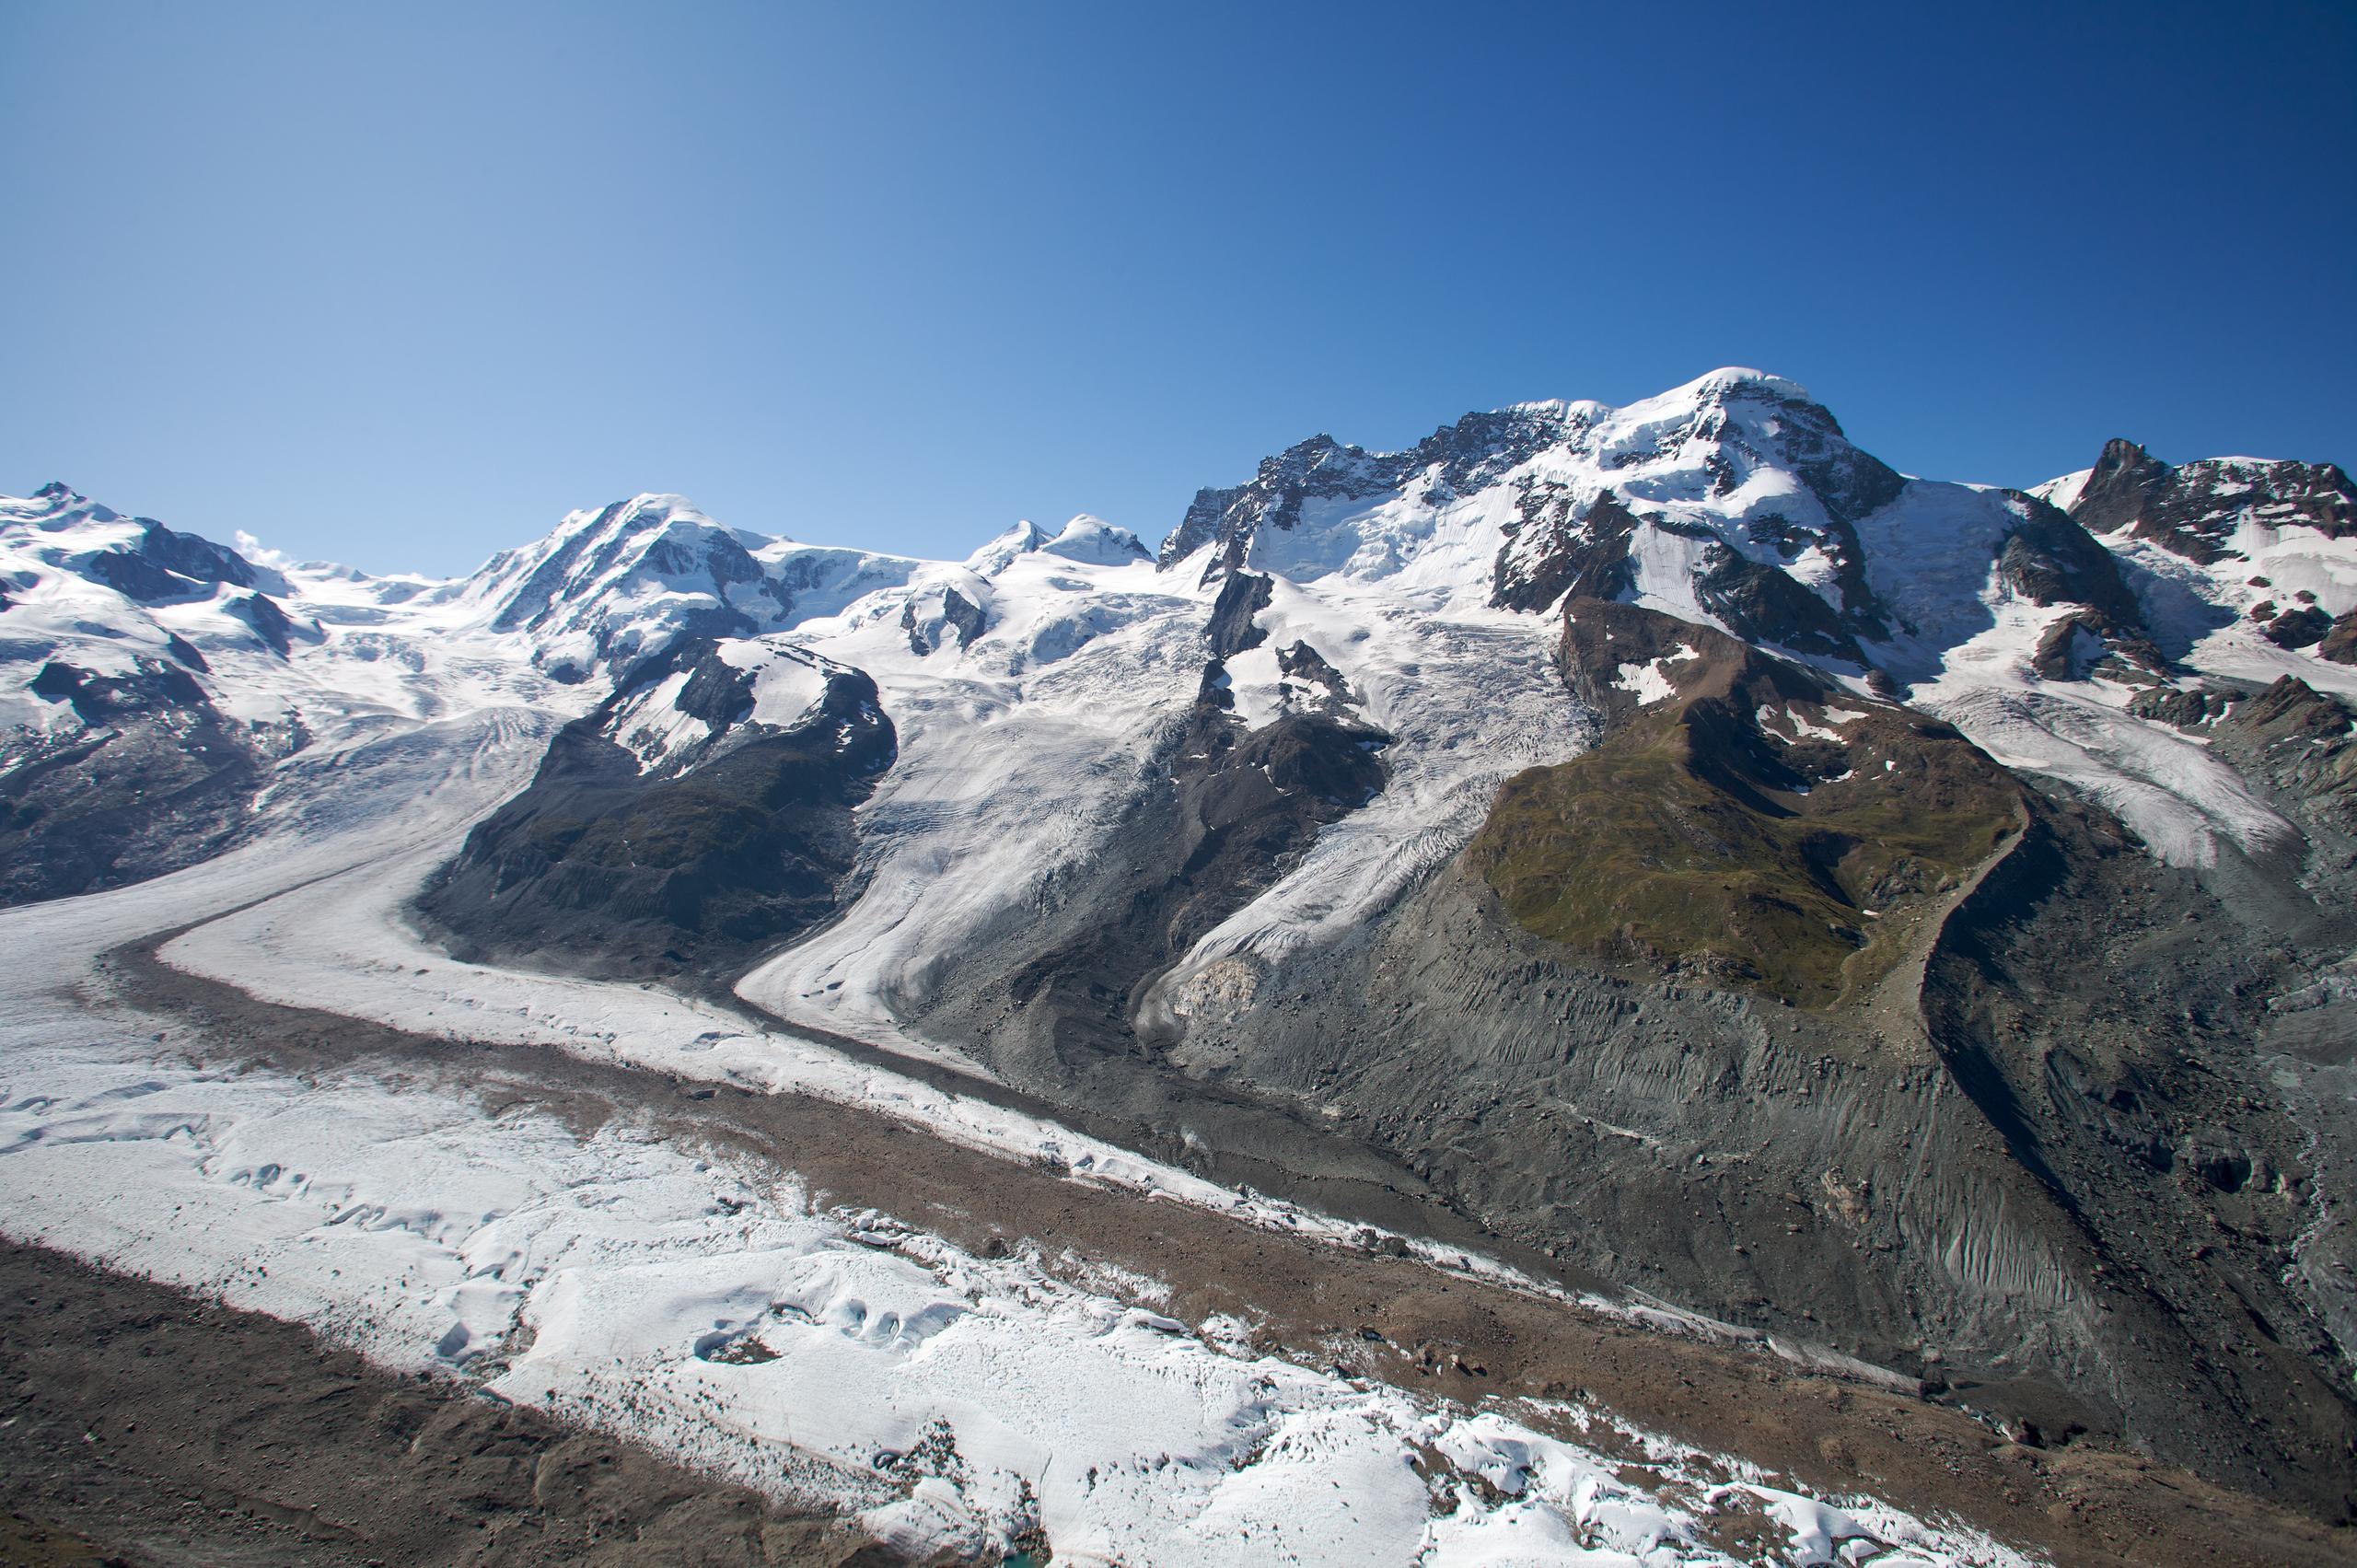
{"x":402,"y":285}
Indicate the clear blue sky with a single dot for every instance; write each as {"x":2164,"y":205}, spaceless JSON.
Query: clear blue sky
{"x":402,"y":283}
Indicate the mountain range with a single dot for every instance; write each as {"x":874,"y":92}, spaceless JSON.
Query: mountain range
{"x":1918,"y":918}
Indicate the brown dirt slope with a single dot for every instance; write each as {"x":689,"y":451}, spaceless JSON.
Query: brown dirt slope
{"x":144,"y":1426}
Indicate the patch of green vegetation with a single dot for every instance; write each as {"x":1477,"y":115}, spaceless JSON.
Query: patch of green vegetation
{"x":1643,"y":850}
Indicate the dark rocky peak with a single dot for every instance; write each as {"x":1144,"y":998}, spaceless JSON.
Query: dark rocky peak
{"x":2295,"y":711}
{"x":1763,"y":604}
{"x":651,"y":842}
{"x":2051,"y":560}
{"x":1322,"y":755}
{"x":99,"y":700}
{"x":2119,"y":487}
{"x":2299,"y":626}
{"x":271,"y":623}
{"x":1307,"y":665}
{"x":1466,"y":456}
{"x":690,"y":704}
{"x":963,"y":614}
{"x":1230,"y":630}
{"x":1309,"y":688}
{"x":1480,"y":448}
{"x":2194,"y":509}
{"x":2069,"y":649}
{"x":1790,"y":431}
{"x":2187,"y":708}
{"x":1559,"y":543}
{"x":1318,"y":467}
{"x":201,"y":559}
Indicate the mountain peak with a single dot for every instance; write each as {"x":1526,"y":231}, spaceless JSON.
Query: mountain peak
{"x":2198,"y":509}
{"x":1735,"y":381}
{"x":572,"y":588}
{"x":1003,"y":548}
{"x":56,"y":505}
{"x":1698,"y":443}
{"x":1097,"y":542}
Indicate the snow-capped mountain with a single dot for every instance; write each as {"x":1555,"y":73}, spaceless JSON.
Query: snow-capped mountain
{"x":624,"y":581}
{"x":1640,"y":829}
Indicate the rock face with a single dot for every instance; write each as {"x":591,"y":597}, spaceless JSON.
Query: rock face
{"x":1465,"y":456}
{"x":2339,"y":641}
{"x":157,"y":780}
{"x":1231,"y":632}
{"x":2197,"y":510}
{"x":645,"y":847}
{"x":2302,"y":743}
{"x":2051,"y":560}
{"x":1577,"y":474}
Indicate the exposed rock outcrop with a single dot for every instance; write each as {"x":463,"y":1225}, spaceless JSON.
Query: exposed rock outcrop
{"x":688,"y":858}
{"x":2193,"y":510}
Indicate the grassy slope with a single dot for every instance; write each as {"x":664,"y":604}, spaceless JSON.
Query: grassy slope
{"x":1695,"y":836}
